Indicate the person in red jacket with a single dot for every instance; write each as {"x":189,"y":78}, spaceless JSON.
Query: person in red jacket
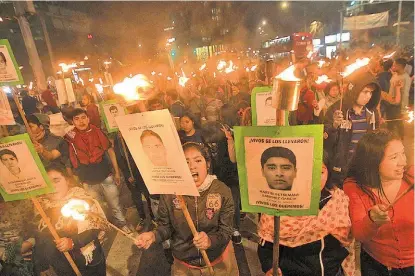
{"x":385,"y":227}
{"x":91,"y":110}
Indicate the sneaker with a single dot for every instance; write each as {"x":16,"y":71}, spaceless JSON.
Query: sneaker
{"x":236,"y":237}
{"x":140,"y":225}
{"x":127,"y":230}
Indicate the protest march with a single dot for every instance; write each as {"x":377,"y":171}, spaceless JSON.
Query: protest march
{"x":290,"y":157}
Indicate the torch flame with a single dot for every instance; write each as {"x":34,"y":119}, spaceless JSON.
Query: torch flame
{"x":99,"y":87}
{"x":288,"y":74}
{"x":322,"y":79}
{"x":410,"y":114}
{"x":321,"y":63}
{"x":354,"y":66}
{"x":202,"y":67}
{"x":253,"y":68}
{"x":129,"y":86}
{"x":230,"y":68}
{"x":183,"y":79}
{"x":75,"y":208}
{"x":310,"y":54}
{"x":389,"y":55}
{"x":221,"y":65}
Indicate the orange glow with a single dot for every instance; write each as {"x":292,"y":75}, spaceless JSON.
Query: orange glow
{"x":221,"y":65}
{"x":202,"y":67}
{"x":389,"y":55}
{"x":230,"y":68}
{"x":354,"y":66}
{"x":322,"y":79}
{"x":321,"y":63}
{"x":76,"y":209}
{"x":253,"y":68}
{"x":288,"y":74}
{"x":183,"y":79}
{"x":128,"y":88}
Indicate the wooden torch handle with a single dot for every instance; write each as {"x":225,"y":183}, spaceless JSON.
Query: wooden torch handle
{"x":194,"y":232}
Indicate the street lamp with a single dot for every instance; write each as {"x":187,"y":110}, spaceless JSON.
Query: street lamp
{"x":284,"y":5}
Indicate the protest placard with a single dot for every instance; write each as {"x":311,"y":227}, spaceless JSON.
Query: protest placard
{"x":6,"y":114}
{"x":9,"y":69}
{"x":22,"y":174}
{"x":279,"y":169}
{"x":155,"y":146}
{"x":263,"y":114}
{"x":110,"y":110}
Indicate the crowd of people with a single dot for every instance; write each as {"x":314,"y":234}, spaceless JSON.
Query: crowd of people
{"x":364,"y":170}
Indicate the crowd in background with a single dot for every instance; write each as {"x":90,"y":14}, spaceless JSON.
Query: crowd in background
{"x":364,"y":170}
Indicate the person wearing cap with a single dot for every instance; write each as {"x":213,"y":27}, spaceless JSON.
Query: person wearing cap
{"x":347,"y":120}
{"x":51,"y":148}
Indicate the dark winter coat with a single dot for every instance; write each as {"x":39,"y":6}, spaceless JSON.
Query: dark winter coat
{"x":337,"y":140}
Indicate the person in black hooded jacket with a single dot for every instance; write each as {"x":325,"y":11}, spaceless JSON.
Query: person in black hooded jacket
{"x":347,"y":120}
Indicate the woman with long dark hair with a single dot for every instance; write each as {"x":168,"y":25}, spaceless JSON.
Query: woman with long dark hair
{"x":378,"y":176}
{"x":189,"y":131}
{"x":212,"y":213}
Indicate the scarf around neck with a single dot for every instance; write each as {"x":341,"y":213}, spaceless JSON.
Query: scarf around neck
{"x":206,"y":183}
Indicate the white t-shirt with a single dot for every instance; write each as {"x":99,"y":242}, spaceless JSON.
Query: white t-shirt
{"x":406,"y":85}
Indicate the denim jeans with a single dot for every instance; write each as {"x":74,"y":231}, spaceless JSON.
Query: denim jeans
{"x":108,"y":190}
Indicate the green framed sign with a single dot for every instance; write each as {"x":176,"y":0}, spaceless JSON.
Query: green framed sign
{"x":22,"y":174}
{"x":279,"y":169}
{"x":110,"y":110}
{"x":9,"y":69}
{"x":263,"y":114}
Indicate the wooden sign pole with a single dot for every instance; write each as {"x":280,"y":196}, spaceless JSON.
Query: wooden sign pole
{"x":280,"y":121}
{"x":194,"y":232}
{"x":34,"y":199}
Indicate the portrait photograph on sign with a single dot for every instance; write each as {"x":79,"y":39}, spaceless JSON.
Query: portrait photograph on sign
{"x":110,"y":110}
{"x":6,"y":114}
{"x":280,"y":171}
{"x":22,"y":174}
{"x":279,"y":168}
{"x":9,"y":71}
{"x":155,"y":146}
{"x":263,"y":114}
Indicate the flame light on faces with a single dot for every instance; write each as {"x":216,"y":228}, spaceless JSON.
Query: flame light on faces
{"x":322,"y":79}
{"x":354,"y":66}
{"x":129,"y":86}
{"x":288,"y":74}
{"x":76,"y":209}
{"x":183,"y":79}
